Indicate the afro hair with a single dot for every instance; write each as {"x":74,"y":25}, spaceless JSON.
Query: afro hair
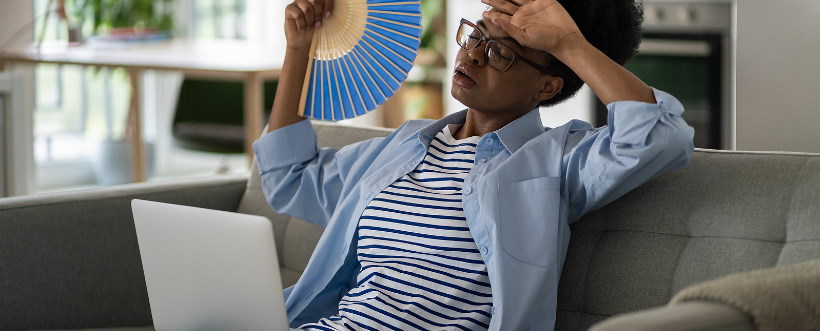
{"x":612,"y":26}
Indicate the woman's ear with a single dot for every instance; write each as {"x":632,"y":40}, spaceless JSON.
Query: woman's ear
{"x":552,"y":86}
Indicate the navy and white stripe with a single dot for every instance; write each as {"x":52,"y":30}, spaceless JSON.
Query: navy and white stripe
{"x":420,"y":267}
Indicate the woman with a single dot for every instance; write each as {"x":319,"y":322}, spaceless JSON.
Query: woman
{"x":463,"y":223}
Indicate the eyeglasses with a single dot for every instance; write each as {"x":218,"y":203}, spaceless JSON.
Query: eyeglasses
{"x":496,"y":54}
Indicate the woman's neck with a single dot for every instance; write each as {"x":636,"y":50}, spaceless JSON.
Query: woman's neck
{"x":479,"y":123}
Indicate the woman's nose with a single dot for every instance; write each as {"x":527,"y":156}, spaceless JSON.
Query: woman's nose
{"x":477,"y":55}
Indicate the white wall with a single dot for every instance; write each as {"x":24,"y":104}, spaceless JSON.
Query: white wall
{"x":14,"y":16}
{"x":778,"y":75}
{"x":456,"y":10}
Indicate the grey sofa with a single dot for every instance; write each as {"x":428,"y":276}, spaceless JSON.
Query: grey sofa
{"x":71,"y":261}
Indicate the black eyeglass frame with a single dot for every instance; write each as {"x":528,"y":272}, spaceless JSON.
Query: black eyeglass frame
{"x":487,"y":50}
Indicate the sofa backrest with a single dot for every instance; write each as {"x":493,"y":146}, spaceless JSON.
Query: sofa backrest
{"x":70,"y":260}
{"x":725,"y":212}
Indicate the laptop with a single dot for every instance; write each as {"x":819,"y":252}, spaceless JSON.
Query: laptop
{"x":208,"y":269}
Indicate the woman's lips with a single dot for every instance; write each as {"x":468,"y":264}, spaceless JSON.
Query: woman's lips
{"x":461,"y":79}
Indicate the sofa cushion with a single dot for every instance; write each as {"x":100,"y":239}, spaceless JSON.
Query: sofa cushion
{"x":295,"y":238}
{"x":779,"y":298}
{"x":689,"y":316}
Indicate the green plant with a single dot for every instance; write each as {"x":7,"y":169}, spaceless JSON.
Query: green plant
{"x":432,"y":14}
{"x":99,"y":16}
{"x":432,"y":42}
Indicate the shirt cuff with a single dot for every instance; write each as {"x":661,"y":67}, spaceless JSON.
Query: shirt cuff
{"x":292,"y":144}
{"x":631,"y":122}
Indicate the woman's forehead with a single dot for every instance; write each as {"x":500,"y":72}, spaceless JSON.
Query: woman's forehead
{"x":493,"y":31}
{"x":490,"y":29}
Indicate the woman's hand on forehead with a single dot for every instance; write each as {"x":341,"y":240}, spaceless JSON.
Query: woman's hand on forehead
{"x":539,"y":24}
{"x":545,"y":25}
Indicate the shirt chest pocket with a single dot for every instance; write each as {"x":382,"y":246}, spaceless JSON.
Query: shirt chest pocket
{"x":528,"y":219}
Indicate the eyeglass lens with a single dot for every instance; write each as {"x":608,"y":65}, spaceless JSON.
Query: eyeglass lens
{"x":498,"y":55}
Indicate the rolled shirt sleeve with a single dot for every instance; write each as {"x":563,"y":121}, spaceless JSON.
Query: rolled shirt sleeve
{"x":641,"y":141}
{"x":299,"y":179}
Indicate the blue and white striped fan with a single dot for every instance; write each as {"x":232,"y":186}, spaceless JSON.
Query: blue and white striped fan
{"x":361,"y":55}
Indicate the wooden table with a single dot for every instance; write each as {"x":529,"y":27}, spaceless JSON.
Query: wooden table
{"x":250,"y":62}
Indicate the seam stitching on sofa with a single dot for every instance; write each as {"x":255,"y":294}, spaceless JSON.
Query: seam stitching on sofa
{"x":670,"y":292}
{"x":689,"y":236}
{"x":762,"y":153}
{"x":582,"y":312}
{"x":789,"y":212}
{"x":285,"y":249}
{"x":802,"y":240}
{"x":586,"y":281}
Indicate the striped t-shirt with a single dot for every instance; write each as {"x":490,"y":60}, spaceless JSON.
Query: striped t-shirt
{"x":420,"y":267}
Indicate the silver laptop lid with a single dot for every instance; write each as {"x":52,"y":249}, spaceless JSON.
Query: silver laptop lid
{"x":209,"y":270}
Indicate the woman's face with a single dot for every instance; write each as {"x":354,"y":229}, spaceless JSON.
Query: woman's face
{"x":485,"y":89}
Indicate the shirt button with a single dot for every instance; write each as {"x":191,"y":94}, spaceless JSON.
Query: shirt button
{"x":490,"y":141}
{"x":468,"y":190}
{"x":493,"y":311}
{"x":483,"y":250}
{"x":481,"y":161}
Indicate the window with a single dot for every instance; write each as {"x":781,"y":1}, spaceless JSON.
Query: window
{"x":218,"y":19}
{"x":74,"y":108}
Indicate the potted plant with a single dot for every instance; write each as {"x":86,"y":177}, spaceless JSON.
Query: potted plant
{"x":123,"y":19}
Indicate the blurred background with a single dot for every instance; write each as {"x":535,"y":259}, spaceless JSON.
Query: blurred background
{"x":717,"y":56}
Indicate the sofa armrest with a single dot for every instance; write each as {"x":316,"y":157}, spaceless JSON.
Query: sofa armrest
{"x":689,"y":316}
{"x":70,"y":260}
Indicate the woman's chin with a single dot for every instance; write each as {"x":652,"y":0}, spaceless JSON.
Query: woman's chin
{"x":463,"y":96}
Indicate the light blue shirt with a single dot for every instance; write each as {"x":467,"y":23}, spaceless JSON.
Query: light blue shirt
{"x":527,"y":185}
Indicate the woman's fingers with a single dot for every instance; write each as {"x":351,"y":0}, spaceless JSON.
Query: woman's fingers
{"x":309,"y":14}
{"x":318,"y":9}
{"x":329,"y":8}
{"x":495,"y":16}
{"x":503,"y":21}
{"x":293,"y":13}
{"x":307,"y":11}
{"x":503,"y":6}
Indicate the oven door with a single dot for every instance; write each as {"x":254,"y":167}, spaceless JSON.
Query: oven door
{"x":688,"y":66}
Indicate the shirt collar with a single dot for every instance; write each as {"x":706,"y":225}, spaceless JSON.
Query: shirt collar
{"x":521,"y":130}
{"x":512,"y":136}
{"x":425,"y":135}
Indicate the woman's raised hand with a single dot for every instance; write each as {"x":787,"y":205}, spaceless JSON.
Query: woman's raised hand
{"x":302,"y":17}
{"x":539,"y":24}
{"x":545,"y":25}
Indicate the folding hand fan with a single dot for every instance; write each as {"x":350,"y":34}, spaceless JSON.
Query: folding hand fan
{"x":361,"y":55}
